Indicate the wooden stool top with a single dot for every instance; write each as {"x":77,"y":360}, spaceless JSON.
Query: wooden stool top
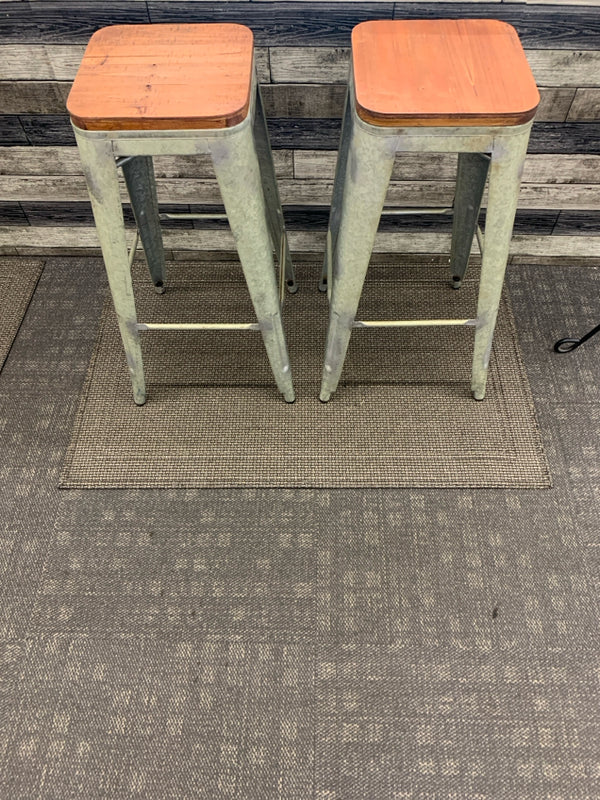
{"x":441,"y":72}
{"x":163,"y":77}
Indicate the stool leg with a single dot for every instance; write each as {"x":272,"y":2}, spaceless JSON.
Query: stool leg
{"x":366,"y":178}
{"x":238,"y":174}
{"x":336,"y":198}
{"x":506,"y":167}
{"x":271,"y":193}
{"x":141,"y":185}
{"x":101,"y":176}
{"x":470,"y":183}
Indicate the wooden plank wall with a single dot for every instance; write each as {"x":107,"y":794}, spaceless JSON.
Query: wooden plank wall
{"x":302,"y":56}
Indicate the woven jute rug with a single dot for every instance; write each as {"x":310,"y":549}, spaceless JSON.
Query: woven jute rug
{"x":402,"y":416}
{"x":18,"y":279}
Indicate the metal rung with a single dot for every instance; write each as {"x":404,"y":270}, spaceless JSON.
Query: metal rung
{"x":134,"y":245}
{"x":191,"y":216}
{"x":198,"y":326}
{"x":411,"y":323}
{"x":123,"y":160}
{"x":281,"y":271}
{"x":409,"y":211}
{"x":480,"y":238}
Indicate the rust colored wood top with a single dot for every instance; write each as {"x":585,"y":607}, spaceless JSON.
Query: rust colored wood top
{"x":163,"y":77}
{"x":441,"y":72}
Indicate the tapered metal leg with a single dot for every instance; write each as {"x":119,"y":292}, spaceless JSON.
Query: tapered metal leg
{"x":367,"y":174}
{"x":271,"y":193}
{"x":506,"y":168}
{"x":470,"y":183}
{"x":141,"y":185}
{"x":101,"y":176}
{"x":238,"y":174}
{"x":336,"y":198}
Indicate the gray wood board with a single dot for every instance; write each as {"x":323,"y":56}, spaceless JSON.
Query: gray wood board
{"x":551,"y":67}
{"x":290,"y":100}
{"x":40,"y":189}
{"x":275,"y":23}
{"x":540,"y":222}
{"x":61,"y":22}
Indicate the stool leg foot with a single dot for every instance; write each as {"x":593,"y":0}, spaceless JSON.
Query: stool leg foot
{"x":271,"y":194}
{"x":366,"y":178}
{"x":336,"y":199}
{"x":508,"y":157}
{"x":101,"y":176}
{"x":238,"y":175}
{"x":141,"y":185}
{"x":470,"y":182}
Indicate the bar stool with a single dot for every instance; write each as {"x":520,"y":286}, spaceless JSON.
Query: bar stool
{"x":146,"y":90}
{"x":428,"y":86}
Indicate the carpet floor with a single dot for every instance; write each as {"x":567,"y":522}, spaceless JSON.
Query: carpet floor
{"x":403,"y":414}
{"x":331,"y":644}
{"x":18,"y":279}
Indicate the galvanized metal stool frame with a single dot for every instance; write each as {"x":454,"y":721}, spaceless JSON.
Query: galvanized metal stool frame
{"x":363,"y":171}
{"x":245,"y":173}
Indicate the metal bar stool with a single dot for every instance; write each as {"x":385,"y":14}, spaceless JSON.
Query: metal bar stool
{"x":146,"y":90}
{"x":428,"y":86}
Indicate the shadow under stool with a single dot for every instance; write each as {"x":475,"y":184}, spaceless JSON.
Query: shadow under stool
{"x":460,"y":86}
{"x":149,"y":90}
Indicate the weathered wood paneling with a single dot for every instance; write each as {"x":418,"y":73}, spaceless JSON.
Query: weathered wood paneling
{"x":49,"y":21}
{"x":585,"y":106}
{"x":302,"y":58}
{"x":301,"y":23}
{"x":280,"y":24}
{"x":308,"y":101}
{"x":584,"y":222}
{"x":11,"y":131}
{"x":538,"y":27}
{"x":44,"y":239}
{"x":560,"y":169}
{"x":47,"y":161}
{"x":34,"y":62}
{"x":37,"y":97}
{"x":296,"y":217}
{"x":562,"y":68}
{"x":293,"y":192}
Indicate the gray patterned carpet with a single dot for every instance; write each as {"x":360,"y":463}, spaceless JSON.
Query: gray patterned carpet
{"x":323,"y":644}
{"x":18,"y":279}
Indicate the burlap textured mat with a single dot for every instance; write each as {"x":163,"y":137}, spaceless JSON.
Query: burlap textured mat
{"x":403,"y":414}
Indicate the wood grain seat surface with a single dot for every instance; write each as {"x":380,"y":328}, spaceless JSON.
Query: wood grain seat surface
{"x":164,"y":77}
{"x":441,"y":73}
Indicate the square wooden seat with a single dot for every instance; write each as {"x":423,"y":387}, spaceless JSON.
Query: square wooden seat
{"x":164,"y":77}
{"x":154,"y":90}
{"x":434,"y":86}
{"x":441,"y":72}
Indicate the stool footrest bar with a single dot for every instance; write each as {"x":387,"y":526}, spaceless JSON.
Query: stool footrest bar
{"x":411,"y":323}
{"x":175,"y":215}
{"x":198,"y":326}
{"x":409,"y":211}
{"x":134,"y":245}
{"x":480,"y":238}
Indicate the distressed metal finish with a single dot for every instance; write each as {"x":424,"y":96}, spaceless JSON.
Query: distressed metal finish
{"x":362,"y":176}
{"x":471,"y":176}
{"x":141,"y":186}
{"x":508,"y":157}
{"x":337,"y":197}
{"x":239,"y":177}
{"x":366,"y":177}
{"x":246,"y":177}
{"x":100,"y":172}
{"x":271,"y":194}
